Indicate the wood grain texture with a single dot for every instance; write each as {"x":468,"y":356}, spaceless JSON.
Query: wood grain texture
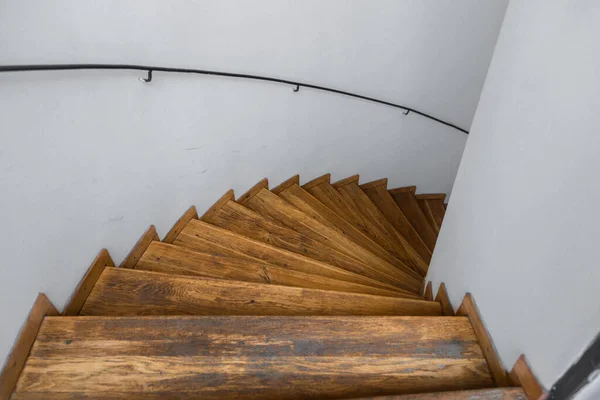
{"x":427,"y":211}
{"x":263,"y":184}
{"x":406,"y":200}
{"x":376,"y":183}
{"x":87,"y":283}
{"x":242,"y":220}
{"x":431,"y":196}
{"x":325,"y":204}
{"x":170,"y":259}
{"x":226,"y":198}
{"x":388,"y":207}
{"x":140,"y":247}
{"x":317,"y":181}
{"x":126,"y":292}
{"x":294,"y":180}
{"x":513,"y":393}
{"x":384,"y":232}
{"x":404,"y":189}
{"x":444,"y":300}
{"x":276,"y":208}
{"x":437,"y":211}
{"x":428,"y":292}
{"x":19,"y":353}
{"x":200,"y":236}
{"x":250,"y":357}
{"x":522,"y":375}
{"x":345,"y":181}
{"x":189,"y":215}
{"x":469,"y":309}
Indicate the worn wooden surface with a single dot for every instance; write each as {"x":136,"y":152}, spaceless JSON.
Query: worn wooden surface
{"x":327,"y":215}
{"x":140,"y":247}
{"x":432,"y":196}
{"x":42,"y":307}
{"x":87,"y":283}
{"x":513,"y":393}
{"x":250,"y":357}
{"x":246,"y":222}
{"x":346,"y":181}
{"x":376,"y":183}
{"x":428,"y":212}
{"x":200,"y":236}
{"x":294,"y":180}
{"x":189,"y":215}
{"x":226,"y":198}
{"x":262,"y":184}
{"x":522,"y":375}
{"x":272,"y":206}
{"x":444,"y":300}
{"x":428,"y":292}
{"x":438,"y":210}
{"x":170,"y":259}
{"x":317,"y":181}
{"x":126,"y":292}
{"x":406,"y":200}
{"x":384,"y":232}
{"x":388,"y":207}
{"x":468,"y":308}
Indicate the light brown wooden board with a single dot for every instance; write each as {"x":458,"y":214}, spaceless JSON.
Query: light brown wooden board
{"x":126,"y":292}
{"x":428,"y":292}
{"x":262,"y":184}
{"x":140,"y":247}
{"x":200,"y":236}
{"x":250,"y":357}
{"x":323,"y":203}
{"x":226,"y":198}
{"x":294,"y":180}
{"x":346,"y":181}
{"x":246,"y":222}
{"x":442,"y":298}
{"x":513,"y":393}
{"x":170,"y":259}
{"x":437,"y":211}
{"x":522,"y":375}
{"x":386,"y":235}
{"x":388,"y":207}
{"x":87,"y":283}
{"x":405,"y":199}
{"x":432,"y":196}
{"x":272,"y":206}
{"x":189,"y":215}
{"x":18,"y":355}
{"x":317,"y":181}
{"x":469,"y":309}
{"x":427,"y":211}
{"x":376,"y":183}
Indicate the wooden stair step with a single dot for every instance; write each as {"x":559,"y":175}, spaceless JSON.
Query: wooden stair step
{"x":170,"y":259}
{"x":237,"y":218}
{"x":274,"y":207}
{"x":434,"y":210}
{"x":384,"y":232}
{"x":222,"y":357}
{"x":377,"y":192}
{"x":406,"y":200}
{"x":127,"y":292}
{"x":204,"y":237}
{"x":508,"y":393}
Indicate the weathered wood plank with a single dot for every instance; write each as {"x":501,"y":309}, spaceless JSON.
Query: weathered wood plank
{"x":126,"y":292}
{"x":513,"y":393}
{"x":294,"y":180}
{"x":522,"y":375}
{"x":444,"y":300}
{"x":317,"y":181}
{"x":200,"y":236}
{"x":251,"y":357}
{"x":428,"y":292}
{"x":262,"y":184}
{"x":383,"y":200}
{"x":188,"y":216}
{"x":18,"y":355}
{"x":406,"y":200}
{"x":140,"y":247}
{"x":170,"y":259}
{"x":87,"y":283}
{"x":272,"y":206}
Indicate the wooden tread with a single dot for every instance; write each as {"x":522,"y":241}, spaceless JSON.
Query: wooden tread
{"x":250,"y":357}
{"x":406,"y":200}
{"x":246,"y":222}
{"x":170,"y":259}
{"x":434,"y":210}
{"x":127,"y":292}
{"x":274,"y":207}
{"x":384,"y":232}
{"x":384,"y":201}
{"x":204,"y":237}
{"x":513,"y":393}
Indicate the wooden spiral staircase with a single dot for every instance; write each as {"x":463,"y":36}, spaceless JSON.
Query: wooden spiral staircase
{"x":313,"y":291}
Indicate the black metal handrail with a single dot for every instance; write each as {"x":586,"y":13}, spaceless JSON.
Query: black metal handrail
{"x":150,"y":69}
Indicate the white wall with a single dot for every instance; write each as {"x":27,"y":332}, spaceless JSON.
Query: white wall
{"x":521,"y":230}
{"x":91,"y":159}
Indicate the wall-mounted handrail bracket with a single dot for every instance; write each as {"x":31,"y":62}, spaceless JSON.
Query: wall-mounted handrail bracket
{"x":150,"y":69}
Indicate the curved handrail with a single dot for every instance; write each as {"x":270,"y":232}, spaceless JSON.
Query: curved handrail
{"x":150,"y":69}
